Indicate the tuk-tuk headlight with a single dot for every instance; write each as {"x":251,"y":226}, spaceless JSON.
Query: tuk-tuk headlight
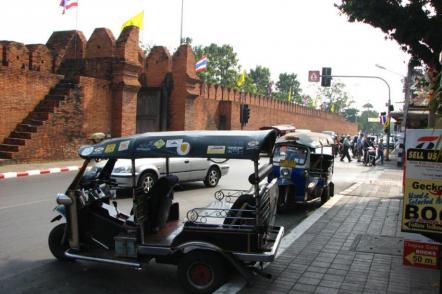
{"x":285,"y":172}
{"x":311,"y":186}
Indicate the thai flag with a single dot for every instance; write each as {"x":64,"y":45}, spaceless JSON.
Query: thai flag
{"x":201,"y":64}
{"x":66,"y":4}
{"x":382,"y":119}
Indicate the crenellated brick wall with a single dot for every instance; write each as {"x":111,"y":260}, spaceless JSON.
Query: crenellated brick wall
{"x":108,"y":73}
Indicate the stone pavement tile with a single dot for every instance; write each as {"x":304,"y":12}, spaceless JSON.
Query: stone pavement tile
{"x":398,"y":288}
{"x":312,"y":275}
{"x":376,"y":285}
{"x":308,"y":281}
{"x":424,"y":291}
{"x":340,"y":266}
{"x":317,"y":269}
{"x":325,"y":290}
{"x":330,"y":277}
{"x":330,"y":284}
{"x":274,"y":291}
{"x":337,"y":272}
{"x":343,"y":291}
{"x":356,"y":286}
{"x":303,"y":287}
{"x":289,"y":276}
{"x":321,"y":264}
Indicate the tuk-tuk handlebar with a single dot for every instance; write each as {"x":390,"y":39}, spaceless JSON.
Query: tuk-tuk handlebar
{"x":263,"y":172}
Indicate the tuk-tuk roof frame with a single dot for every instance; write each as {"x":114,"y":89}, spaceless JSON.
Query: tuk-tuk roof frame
{"x":309,"y":139}
{"x":210,"y":144}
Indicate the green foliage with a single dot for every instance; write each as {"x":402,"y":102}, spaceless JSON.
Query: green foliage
{"x":261,"y":78}
{"x":351,"y":114}
{"x":286,"y":83}
{"x":336,"y":97}
{"x":414,"y":24}
{"x":368,"y":106}
{"x":369,"y":127}
{"x":222,"y":68}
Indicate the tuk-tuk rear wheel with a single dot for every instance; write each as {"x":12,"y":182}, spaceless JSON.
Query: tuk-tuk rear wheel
{"x":325,"y":196}
{"x":56,"y":244}
{"x":201,"y":271}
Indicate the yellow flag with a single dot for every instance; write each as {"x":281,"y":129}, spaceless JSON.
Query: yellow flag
{"x":332,"y":109}
{"x":137,"y":21}
{"x":289,"y":98}
{"x":241,"y":79}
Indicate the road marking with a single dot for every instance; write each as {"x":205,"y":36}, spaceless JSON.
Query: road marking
{"x":237,"y":283}
{"x":26,"y":203}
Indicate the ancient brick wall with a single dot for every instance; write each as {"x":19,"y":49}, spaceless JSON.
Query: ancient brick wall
{"x":60,"y":137}
{"x":20,"y":92}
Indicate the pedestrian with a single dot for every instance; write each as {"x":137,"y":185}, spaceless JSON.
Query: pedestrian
{"x":359,"y":144}
{"x":380,"y":154}
{"x":345,"y":148}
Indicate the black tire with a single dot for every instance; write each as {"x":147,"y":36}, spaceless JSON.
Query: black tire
{"x":212,"y":177}
{"x":146,"y":181}
{"x":325,"y":196}
{"x":283,"y":199}
{"x":56,"y":246}
{"x":201,"y":271}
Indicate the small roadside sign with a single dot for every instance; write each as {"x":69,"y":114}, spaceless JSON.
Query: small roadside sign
{"x":313,"y":76}
{"x":421,"y":254}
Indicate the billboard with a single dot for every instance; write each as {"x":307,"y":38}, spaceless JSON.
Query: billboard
{"x":422,"y":205}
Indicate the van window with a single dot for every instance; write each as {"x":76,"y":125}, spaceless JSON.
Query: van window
{"x":289,"y":152}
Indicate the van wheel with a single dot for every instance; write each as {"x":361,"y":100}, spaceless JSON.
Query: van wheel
{"x":56,"y":244}
{"x":201,"y":271}
{"x":325,"y":196}
{"x":212,"y":178}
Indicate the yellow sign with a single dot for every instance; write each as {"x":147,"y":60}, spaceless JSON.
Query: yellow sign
{"x":110,"y":148}
{"x":287,"y":163}
{"x":159,"y":144}
{"x":425,"y":260}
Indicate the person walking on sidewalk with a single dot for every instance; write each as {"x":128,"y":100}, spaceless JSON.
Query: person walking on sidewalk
{"x":381,"y":151}
{"x":346,"y":147}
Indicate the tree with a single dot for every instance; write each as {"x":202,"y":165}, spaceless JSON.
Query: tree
{"x":336,"y":97}
{"x":351,"y":114}
{"x":261,"y":78}
{"x":287,"y":82}
{"x":222,"y":68}
{"x":414,"y":24}
{"x":368,"y":106}
{"x":369,"y":127}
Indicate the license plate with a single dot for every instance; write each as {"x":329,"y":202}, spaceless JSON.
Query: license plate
{"x":287,"y":163}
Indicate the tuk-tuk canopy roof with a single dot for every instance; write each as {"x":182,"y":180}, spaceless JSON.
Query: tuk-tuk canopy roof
{"x":308,"y":139}
{"x":210,"y":144}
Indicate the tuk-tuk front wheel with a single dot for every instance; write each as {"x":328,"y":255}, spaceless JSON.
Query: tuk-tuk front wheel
{"x":201,"y":271}
{"x":57,"y":245}
{"x":283,"y":197}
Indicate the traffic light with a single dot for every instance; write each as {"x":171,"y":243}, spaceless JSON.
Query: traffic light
{"x":244,"y":114}
{"x":326,"y":77}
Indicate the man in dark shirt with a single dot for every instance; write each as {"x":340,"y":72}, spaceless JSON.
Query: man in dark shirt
{"x":381,"y":151}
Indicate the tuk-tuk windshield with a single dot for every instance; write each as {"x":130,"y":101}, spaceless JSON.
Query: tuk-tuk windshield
{"x":290,"y":152}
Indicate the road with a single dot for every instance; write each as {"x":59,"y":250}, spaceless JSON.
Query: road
{"x":27,"y":266}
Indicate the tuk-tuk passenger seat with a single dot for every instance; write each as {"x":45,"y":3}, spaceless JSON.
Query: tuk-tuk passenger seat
{"x":159,"y":200}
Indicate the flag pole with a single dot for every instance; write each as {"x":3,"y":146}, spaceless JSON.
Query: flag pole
{"x":181,"y":30}
{"x":76,"y":28}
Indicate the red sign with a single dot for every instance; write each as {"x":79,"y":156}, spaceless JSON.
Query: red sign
{"x":313,"y":76}
{"x":421,"y":254}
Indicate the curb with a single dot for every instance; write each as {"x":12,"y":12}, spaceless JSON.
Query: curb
{"x":9,"y":175}
{"x":237,"y":283}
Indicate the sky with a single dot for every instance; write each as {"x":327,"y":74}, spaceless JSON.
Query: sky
{"x":292,"y":36}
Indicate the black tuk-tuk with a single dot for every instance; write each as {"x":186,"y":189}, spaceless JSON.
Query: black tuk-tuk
{"x":239,"y":235}
{"x":303,"y":165}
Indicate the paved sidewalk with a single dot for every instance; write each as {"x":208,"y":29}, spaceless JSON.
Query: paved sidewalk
{"x":355,"y":247}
